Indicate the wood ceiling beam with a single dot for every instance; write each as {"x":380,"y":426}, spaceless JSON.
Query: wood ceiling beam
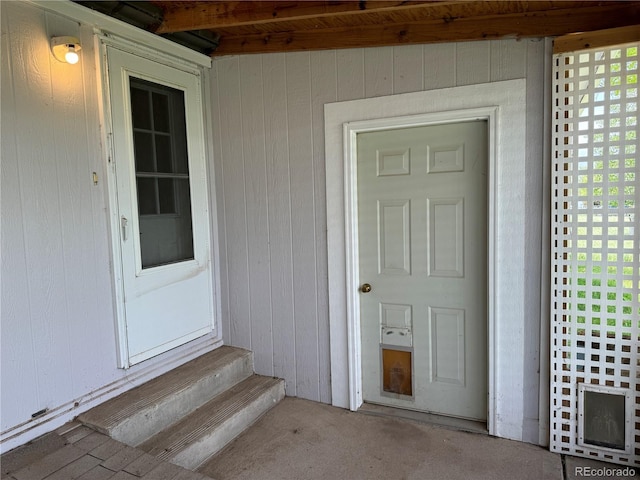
{"x":272,"y":15}
{"x":432,"y":11}
{"x":597,"y":39}
{"x":183,"y":16}
{"x":531,"y":24}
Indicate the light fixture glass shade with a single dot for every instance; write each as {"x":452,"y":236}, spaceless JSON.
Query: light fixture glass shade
{"x":71,"y":56}
{"x":66,"y":49}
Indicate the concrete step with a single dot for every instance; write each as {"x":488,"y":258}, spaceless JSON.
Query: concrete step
{"x":142,"y":412}
{"x":203,"y":433}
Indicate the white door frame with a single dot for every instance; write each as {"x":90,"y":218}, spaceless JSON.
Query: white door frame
{"x":502,"y":104}
{"x":162,"y":56}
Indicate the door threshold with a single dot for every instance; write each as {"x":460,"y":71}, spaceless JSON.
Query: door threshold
{"x":453,"y":423}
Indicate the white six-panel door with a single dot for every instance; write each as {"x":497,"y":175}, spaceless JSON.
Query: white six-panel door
{"x":162,"y":206}
{"x":422,"y":210}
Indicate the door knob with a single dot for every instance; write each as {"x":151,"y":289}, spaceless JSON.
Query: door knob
{"x":365,"y":288}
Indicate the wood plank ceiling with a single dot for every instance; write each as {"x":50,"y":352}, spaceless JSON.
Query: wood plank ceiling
{"x":240,"y":27}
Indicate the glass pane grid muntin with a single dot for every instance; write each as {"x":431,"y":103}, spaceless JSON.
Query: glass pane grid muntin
{"x":596,"y":264}
{"x":162,"y":173}
{"x":157,"y":127}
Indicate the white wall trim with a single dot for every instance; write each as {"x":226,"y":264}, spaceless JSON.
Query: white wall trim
{"x":159,"y":56}
{"x":104,"y":105}
{"x":214,"y":226}
{"x":503,"y":105}
{"x":544,"y":418}
{"x":112,"y":25}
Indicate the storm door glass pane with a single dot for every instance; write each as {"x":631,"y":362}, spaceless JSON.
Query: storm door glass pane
{"x":164,"y":154}
{"x":140,"y":105}
{"x":143,"y":150}
{"x":162,"y":173}
{"x":146,"y":195}
{"x":166,"y":195}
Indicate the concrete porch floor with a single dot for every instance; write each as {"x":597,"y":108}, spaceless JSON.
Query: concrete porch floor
{"x":305,"y":440}
{"x":299,"y":439}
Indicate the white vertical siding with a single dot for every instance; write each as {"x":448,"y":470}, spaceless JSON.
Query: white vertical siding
{"x":378,"y":72}
{"x":408,"y":75}
{"x":349,"y":71}
{"x":18,"y":361}
{"x":280,"y":286}
{"x":473,"y":63}
{"x":57,"y":332}
{"x":257,"y":231}
{"x":439,"y":74}
{"x":291,"y":89}
{"x":323,"y":90}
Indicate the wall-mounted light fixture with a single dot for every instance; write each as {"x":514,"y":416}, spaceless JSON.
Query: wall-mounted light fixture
{"x":66,"y":49}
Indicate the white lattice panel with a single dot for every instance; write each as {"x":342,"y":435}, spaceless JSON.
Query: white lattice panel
{"x":596,"y":245}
